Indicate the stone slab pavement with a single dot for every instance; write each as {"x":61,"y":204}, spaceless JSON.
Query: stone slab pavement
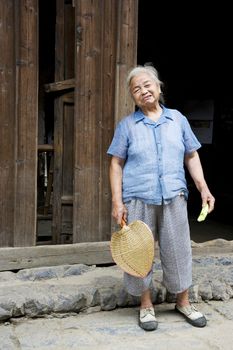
{"x":118,"y":330}
{"x":75,"y":288}
{"x":86,"y":307}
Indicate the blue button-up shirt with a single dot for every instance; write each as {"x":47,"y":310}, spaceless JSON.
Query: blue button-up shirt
{"x":154,"y":155}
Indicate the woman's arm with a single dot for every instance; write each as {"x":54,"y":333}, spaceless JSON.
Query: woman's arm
{"x":193,"y":164}
{"x":118,"y":208}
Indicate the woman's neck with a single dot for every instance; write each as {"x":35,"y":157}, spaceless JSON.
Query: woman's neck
{"x":153,"y":113}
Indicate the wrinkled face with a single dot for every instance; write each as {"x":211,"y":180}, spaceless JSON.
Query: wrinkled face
{"x":145,"y":91}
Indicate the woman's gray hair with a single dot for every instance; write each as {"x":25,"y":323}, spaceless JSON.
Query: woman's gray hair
{"x":148,"y":69}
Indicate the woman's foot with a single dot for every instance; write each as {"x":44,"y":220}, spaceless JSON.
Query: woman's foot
{"x":192,"y":315}
{"x":190,"y":312}
{"x":147,"y":319}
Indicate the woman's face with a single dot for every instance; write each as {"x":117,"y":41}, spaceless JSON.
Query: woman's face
{"x":145,"y":91}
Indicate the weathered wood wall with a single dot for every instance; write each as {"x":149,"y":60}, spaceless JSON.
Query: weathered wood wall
{"x":106,"y":42}
{"x":18,"y":120}
{"x":94,"y":48}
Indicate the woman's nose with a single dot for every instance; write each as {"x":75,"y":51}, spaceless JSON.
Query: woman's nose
{"x":143,"y":91}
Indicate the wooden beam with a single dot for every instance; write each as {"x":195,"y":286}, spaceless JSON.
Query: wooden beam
{"x":7,"y":122}
{"x":93,"y":253}
{"x":89,"y":111}
{"x":126,"y":55}
{"x":68,"y":200}
{"x":60,"y":85}
{"x":53,"y":255}
{"x":26,"y":123}
{"x":45,"y":147}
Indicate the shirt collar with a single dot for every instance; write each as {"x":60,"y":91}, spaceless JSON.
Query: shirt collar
{"x":166,"y":114}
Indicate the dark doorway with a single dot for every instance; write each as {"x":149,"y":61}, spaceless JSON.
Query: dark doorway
{"x":191,"y":49}
{"x":47,"y":21}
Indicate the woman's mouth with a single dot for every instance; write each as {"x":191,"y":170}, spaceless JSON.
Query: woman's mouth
{"x":145,"y":98}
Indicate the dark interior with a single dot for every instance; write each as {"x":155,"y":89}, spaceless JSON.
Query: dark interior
{"x":190,"y":47}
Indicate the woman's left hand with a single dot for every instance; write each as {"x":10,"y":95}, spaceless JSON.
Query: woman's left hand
{"x":208,"y":198}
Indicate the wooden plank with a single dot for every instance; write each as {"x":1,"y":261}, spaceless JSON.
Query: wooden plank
{"x":59,"y":41}
{"x":45,"y":147}
{"x":126,"y":55}
{"x":67,"y":176}
{"x":127,"y":17}
{"x":94,"y":253}
{"x":99,"y":27}
{"x":52,"y":255}
{"x":64,"y":41}
{"x":88,"y":110}
{"x":7,"y":121}
{"x":68,"y":97}
{"x":49,"y":189}
{"x":27,"y":123}
{"x":60,"y":85}
{"x":63,"y":164}
{"x":106,"y":119}
{"x":69,"y":40}
{"x":57,"y":172}
{"x":67,"y":200}
{"x":58,"y":122}
{"x":64,"y":115}
{"x":68,"y":149}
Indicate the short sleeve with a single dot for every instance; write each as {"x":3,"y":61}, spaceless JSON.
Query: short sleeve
{"x":191,"y":142}
{"x":119,"y":144}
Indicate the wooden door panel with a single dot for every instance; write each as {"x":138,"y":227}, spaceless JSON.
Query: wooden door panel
{"x":63,"y":169}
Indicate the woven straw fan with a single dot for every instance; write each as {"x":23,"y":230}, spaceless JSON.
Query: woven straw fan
{"x":132,"y":248}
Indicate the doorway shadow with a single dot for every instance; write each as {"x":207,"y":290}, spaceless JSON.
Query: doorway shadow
{"x":209,"y":229}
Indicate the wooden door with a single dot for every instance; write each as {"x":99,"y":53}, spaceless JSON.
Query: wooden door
{"x":18,"y":118}
{"x":63,"y":169}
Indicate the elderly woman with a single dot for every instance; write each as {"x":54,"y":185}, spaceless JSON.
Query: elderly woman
{"x":147,"y":177}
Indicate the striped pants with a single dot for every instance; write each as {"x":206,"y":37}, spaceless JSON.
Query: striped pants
{"x":170,"y":226}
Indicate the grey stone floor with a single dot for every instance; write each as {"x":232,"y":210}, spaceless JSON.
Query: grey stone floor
{"x":118,"y":330}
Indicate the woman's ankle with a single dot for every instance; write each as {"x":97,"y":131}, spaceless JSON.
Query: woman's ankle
{"x":146,"y":306}
{"x":183,"y":299}
{"x":146,"y":301}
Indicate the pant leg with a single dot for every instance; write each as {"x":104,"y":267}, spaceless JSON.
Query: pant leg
{"x":137,"y":210}
{"x":175,"y":245}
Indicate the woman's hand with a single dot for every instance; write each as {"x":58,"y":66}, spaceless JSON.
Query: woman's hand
{"x":207,"y":198}
{"x":119,"y":211}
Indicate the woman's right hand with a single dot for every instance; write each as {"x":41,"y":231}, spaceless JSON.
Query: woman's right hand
{"x":119,"y":211}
